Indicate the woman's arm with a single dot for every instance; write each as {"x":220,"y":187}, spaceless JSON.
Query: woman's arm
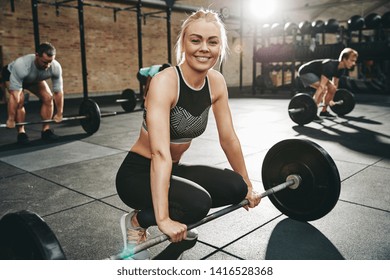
{"x":227,"y":135}
{"x":161,"y":96}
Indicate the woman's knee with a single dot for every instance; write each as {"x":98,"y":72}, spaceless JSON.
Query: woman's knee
{"x":134,"y":191}
{"x":189,"y":213}
{"x":236,"y":185}
{"x":201,"y":206}
{"x":188,"y":201}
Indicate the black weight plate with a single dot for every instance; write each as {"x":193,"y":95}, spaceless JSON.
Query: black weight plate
{"x":320,"y":188}
{"x":305,"y":101}
{"x":90,"y":109}
{"x":348,"y":102}
{"x":128,"y":94}
{"x":25,"y":236}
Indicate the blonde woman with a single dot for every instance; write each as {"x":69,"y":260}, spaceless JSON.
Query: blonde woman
{"x":151,"y":179}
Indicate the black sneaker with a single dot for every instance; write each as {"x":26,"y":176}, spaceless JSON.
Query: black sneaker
{"x":326,"y":114}
{"x":49,"y":135}
{"x":22,"y":138}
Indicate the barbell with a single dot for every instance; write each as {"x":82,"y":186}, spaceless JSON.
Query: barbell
{"x":292,"y":181}
{"x":128,"y":100}
{"x":89,"y":117}
{"x":300,"y":179}
{"x":302,"y":109}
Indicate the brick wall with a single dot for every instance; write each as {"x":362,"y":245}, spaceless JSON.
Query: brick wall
{"x":111,"y":46}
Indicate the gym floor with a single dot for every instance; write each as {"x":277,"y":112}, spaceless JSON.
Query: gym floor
{"x":71,"y":183}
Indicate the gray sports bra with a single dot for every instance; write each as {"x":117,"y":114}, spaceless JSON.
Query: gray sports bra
{"x":188,"y":118}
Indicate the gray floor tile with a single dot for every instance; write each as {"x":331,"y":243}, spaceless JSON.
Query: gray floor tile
{"x":57,"y":155}
{"x":348,"y":169}
{"x":116,"y":202}
{"x":88,"y":232}
{"x":358,"y":233}
{"x":235,"y":224}
{"x":383,"y":163}
{"x":7,"y":170}
{"x":369,"y":188}
{"x":121,"y":141}
{"x":286,"y":239}
{"x":29,"y":192}
{"x":93,"y":177}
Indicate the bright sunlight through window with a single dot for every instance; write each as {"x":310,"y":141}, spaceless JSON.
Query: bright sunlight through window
{"x":262,"y":9}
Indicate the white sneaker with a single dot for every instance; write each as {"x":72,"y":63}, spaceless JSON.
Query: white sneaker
{"x":192,"y":234}
{"x":132,"y":236}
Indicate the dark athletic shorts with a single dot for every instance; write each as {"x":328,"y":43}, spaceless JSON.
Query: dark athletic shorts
{"x":5,"y":74}
{"x":309,"y":79}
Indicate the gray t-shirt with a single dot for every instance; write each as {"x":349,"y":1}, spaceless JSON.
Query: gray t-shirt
{"x":24,"y":71}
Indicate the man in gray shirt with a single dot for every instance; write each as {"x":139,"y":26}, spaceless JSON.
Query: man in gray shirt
{"x":31,"y":72}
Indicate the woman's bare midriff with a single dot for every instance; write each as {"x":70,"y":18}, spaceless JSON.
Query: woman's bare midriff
{"x":142,"y":147}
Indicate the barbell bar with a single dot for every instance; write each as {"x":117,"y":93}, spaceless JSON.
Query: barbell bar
{"x":89,"y":117}
{"x":302,"y":109}
{"x":64,"y":119}
{"x":300,"y":178}
{"x":292,"y":181}
{"x":297,"y":110}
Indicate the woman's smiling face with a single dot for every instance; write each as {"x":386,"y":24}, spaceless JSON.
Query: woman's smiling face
{"x":202,"y":45}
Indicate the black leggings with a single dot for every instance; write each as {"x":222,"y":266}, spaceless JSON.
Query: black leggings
{"x":193,"y":190}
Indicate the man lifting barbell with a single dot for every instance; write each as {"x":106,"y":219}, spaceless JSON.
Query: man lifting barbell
{"x":302,"y":108}
{"x":324,"y":74}
{"x":31,"y":72}
{"x":151,"y":179}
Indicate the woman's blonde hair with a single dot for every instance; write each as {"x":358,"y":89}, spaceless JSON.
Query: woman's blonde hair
{"x":208,"y":16}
